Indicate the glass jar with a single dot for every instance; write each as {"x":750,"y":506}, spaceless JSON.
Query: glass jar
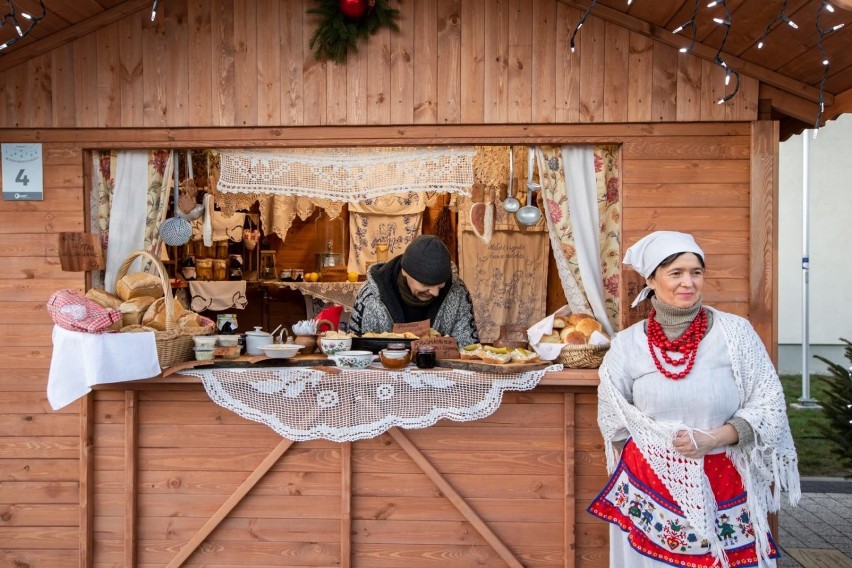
{"x":204,"y":269}
{"x":220,"y":269}
{"x":425,"y":358}
{"x":330,"y":242}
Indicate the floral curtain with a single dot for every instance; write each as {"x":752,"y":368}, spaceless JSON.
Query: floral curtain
{"x":157,"y":199}
{"x":555,"y":190}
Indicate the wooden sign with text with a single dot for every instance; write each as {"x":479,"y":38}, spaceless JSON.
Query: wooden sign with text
{"x":445,"y":347}
{"x":80,"y":252}
{"x":418,"y":328}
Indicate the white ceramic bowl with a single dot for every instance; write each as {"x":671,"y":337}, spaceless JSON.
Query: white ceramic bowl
{"x":281,"y":350}
{"x":204,"y":341}
{"x":353,"y":359}
{"x":331,"y":346}
{"x":227,"y":340}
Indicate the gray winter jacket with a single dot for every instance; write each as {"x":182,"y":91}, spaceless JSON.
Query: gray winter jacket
{"x":378,"y":306}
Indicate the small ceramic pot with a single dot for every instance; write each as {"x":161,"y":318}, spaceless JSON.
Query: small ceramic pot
{"x":331,"y":346}
{"x":353,"y":359}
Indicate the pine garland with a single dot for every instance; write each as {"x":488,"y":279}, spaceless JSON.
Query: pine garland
{"x":336,"y":34}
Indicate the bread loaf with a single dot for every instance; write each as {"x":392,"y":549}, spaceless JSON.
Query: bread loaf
{"x":551,"y":338}
{"x":575,"y":338}
{"x":134,"y":309}
{"x":587,"y":326}
{"x":104,"y":298}
{"x":558,"y":322}
{"x":138,"y":284}
{"x":155,"y":315}
{"x":574,"y":319}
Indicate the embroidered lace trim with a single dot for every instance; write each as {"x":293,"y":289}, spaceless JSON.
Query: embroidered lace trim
{"x":347,"y":174}
{"x":307,"y":404}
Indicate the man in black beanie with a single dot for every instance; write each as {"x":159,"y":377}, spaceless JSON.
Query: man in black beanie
{"x":418,"y":285}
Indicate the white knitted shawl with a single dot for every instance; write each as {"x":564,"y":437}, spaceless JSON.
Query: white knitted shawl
{"x":767,"y":467}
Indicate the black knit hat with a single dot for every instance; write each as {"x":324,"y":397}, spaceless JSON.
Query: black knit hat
{"x":427,"y":260}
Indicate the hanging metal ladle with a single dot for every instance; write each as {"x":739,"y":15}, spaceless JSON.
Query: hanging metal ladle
{"x":511,"y":204}
{"x":530,"y":214}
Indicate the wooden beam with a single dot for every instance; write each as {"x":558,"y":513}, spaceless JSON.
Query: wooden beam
{"x":700,"y":50}
{"x":346,"y":505}
{"x":455,"y":498}
{"x":842,"y":104}
{"x":131,"y":468}
{"x":789,"y":104}
{"x":230,"y":503}
{"x":763,"y":284}
{"x":570,"y":516}
{"x":83,"y":28}
{"x":87,"y":481}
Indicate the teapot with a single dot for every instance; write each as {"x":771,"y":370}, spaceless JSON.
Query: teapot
{"x":257,"y":339}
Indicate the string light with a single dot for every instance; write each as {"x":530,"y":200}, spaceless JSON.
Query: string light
{"x":580,"y":23}
{"x":689,"y":24}
{"x":22,"y":29}
{"x":824,"y":6}
{"x":154,"y":10}
{"x":726,"y":21}
{"x":782,"y":17}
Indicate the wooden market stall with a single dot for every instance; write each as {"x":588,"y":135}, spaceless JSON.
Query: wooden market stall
{"x":136,"y":474}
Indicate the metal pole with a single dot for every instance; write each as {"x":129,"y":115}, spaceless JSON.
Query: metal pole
{"x":805,"y":399}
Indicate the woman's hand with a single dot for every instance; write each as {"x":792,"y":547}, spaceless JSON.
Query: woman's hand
{"x":704,"y":442}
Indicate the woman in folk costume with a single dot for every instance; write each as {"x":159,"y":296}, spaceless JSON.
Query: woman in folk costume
{"x":692,"y":402}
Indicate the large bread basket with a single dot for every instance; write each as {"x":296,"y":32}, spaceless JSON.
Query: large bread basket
{"x":582,"y":356}
{"x":174,"y":345}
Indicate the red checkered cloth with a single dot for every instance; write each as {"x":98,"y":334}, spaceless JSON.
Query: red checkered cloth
{"x":74,"y":312}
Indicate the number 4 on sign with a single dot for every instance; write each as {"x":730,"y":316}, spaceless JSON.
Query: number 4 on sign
{"x":22,"y":178}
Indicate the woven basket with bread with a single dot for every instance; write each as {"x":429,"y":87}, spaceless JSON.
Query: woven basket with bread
{"x":147,"y":304}
{"x":574,"y":330}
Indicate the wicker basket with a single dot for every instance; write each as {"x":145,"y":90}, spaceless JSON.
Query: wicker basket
{"x":582,"y":356}
{"x":173,"y":345}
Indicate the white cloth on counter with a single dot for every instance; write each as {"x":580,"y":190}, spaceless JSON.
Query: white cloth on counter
{"x":82,"y":360}
{"x":217,"y":295}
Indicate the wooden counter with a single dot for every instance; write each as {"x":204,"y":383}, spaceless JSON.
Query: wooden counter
{"x":173,"y":478}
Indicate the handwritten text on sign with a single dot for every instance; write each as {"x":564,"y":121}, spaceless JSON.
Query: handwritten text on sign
{"x":445,"y":347}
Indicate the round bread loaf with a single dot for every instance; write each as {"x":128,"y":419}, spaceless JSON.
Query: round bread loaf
{"x":558,"y":322}
{"x":588,"y":326}
{"x":574,"y":319}
{"x":575,"y":338}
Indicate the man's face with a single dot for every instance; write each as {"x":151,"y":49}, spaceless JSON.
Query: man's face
{"x":422,"y":292}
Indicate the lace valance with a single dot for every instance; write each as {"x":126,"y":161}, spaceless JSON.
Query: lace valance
{"x":307,"y":404}
{"x":347,"y":174}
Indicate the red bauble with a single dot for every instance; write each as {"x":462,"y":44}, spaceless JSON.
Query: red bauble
{"x":354,"y":9}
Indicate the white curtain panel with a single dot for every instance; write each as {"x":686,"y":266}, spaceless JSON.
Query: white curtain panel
{"x":579,"y":164}
{"x":127,"y":217}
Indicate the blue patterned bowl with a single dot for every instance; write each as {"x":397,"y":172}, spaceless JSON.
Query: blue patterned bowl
{"x":353,"y":359}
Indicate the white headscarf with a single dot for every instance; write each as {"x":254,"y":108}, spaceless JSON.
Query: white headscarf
{"x":646,"y":255}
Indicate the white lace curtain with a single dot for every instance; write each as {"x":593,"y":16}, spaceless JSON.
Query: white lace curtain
{"x":347,"y":174}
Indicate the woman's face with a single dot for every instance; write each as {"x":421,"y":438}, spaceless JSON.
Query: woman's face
{"x":679,"y":284}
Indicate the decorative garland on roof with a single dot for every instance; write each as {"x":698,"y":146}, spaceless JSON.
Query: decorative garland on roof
{"x":344,"y":22}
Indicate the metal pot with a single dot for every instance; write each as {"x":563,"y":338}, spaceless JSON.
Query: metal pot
{"x":257,"y":339}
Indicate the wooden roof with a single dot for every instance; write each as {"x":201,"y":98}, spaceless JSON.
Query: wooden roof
{"x":789,"y":66}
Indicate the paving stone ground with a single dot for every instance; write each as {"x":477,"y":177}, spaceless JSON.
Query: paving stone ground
{"x":821,"y":521}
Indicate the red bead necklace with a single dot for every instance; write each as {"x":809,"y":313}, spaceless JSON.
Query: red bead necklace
{"x":686,"y":344}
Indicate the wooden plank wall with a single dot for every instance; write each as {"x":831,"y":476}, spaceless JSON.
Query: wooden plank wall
{"x":494,"y":69}
{"x":247,"y":63}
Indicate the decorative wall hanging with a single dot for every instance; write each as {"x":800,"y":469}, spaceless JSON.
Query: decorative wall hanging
{"x":347,"y":174}
{"x":345,"y":22}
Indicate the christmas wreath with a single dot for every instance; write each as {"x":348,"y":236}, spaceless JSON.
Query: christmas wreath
{"x":344,"y":22}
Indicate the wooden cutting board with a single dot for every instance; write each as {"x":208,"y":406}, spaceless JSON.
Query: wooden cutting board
{"x":483,"y":367}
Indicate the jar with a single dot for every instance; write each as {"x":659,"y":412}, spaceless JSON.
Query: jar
{"x":203,"y":269}
{"x":220,"y":269}
{"x":221,"y":249}
{"x":425,"y":358}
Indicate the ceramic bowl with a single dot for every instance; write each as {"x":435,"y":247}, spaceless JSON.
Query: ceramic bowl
{"x":227,"y":340}
{"x":204,"y":341}
{"x":353,"y":359}
{"x":395,"y":358}
{"x":331,"y":346}
{"x":281,"y":350}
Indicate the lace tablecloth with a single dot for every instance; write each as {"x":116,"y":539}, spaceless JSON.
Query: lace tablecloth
{"x":307,"y":403}
{"x":339,"y":293}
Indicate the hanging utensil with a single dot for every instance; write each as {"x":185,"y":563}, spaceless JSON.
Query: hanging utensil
{"x":530,"y":214}
{"x":511,"y":204}
{"x":175,"y":231}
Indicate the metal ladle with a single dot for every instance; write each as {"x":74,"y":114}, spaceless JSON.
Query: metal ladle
{"x":529,"y":214}
{"x":511,"y":204}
